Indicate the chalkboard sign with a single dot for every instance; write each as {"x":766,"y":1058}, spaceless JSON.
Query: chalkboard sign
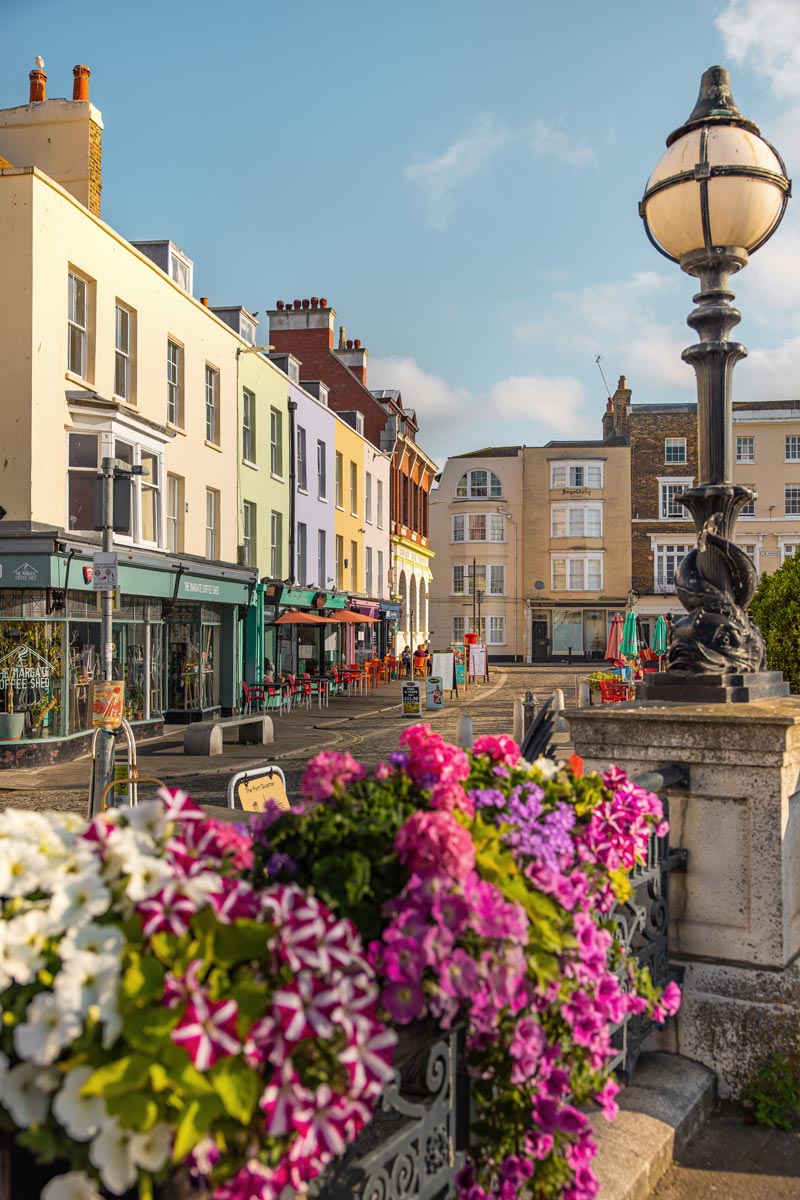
{"x":412,"y":699}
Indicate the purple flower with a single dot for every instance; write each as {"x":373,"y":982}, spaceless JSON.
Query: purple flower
{"x":403,"y":960}
{"x":278,"y":864}
{"x":403,"y":1000}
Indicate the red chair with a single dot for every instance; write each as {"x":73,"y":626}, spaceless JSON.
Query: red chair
{"x":319,"y":687}
{"x":612,"y":693}
{"x":253,"y":692}
{"x":277,"y":696}
{"x":299,"y":690}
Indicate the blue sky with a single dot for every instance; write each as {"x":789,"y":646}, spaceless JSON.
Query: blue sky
{"x":459,"y":179}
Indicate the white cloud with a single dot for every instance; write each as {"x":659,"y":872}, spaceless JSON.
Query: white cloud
{"x":440,"y":179}
{"x":545,"y":140}
{"x":764,"y":35}
{"x":622,"y":321}
{"x":520,"y":409}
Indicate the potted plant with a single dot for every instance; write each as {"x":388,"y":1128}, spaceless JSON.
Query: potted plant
{"x":39,"y":711}
{"x":12,"y":724}
{"x":595,"y":679}
{"x":135,"y":699}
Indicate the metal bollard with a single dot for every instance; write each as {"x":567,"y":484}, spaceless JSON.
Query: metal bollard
{"x":464,"y":736}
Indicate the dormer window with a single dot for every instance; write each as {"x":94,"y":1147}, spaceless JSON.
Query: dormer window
{"x":180,"y":269}
{"x":479,"y":485}
{"x":247,"y":330}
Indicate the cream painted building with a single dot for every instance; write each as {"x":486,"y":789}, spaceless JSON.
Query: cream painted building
{"x":476,"y":522}
{"x":766,"y":451}
{"x":576,"y":546}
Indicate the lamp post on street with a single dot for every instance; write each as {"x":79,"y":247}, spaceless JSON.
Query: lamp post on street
{"x":717,"y":194}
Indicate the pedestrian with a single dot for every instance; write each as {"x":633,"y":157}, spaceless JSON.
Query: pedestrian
{"x":405,"y":661}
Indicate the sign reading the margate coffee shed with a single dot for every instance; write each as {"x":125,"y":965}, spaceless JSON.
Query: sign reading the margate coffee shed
{"x":23,"y":667}
{"x":412,"y":699}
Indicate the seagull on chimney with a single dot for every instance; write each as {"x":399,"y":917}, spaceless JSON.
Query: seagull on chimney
{"x":39,"y":61}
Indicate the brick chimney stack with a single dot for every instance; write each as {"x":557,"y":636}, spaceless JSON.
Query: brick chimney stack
{"x":80,"y":82}
{"x":354,"y":356}
{"x":620,"y":407}
{"x":38,"y":81}
{"x":303,"y":328}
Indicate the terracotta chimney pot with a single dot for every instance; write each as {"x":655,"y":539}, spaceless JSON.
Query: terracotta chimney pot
{"x":349,"y":343}
{"x":80,"y":82}
{"x":38,"y":81}
{"x":280,"y":306}
{"x":204,"y":301}
{"x":357,"y":344}
{"x":315,"y":302}
{"x":298,"y":304}
{"x":305,"y":304}
{"x":323,"y":303}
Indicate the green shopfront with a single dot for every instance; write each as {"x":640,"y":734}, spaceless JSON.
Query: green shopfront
{"x":299,"y":649}
{"x":177,"y":642}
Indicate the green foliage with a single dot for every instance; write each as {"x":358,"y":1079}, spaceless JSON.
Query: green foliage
{"x":776,"y":610}
{"x":597,"y":677}
{"x":346,"y":852}
{"x":773,"y":1094}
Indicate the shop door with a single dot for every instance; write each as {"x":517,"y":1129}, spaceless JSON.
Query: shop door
{"x":541,"y":642}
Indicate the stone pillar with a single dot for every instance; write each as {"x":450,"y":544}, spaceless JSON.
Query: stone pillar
{"x":735,"y":914}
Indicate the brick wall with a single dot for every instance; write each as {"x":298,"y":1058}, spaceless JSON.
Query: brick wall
{"x":95,"y":167}
{"x":647,"y":432}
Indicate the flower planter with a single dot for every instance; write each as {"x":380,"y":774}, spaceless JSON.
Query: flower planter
{"x":12,"y":726}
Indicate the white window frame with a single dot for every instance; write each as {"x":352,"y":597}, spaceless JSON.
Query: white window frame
{"x":322,"y":475}
{"x":568,"y":510}
{"x":675,"y":444}
{"x":459,"y":629}
{"x":379,"y":504}
{"x":570,"y":562}
{"x":249,"y":426}
{"x":458,"y":528}
{"x":338,"y":560}
{"x":755,"y":545}
{"x":748,"y":510}
{"x":570,"y":467}
{"x":77,"y":333}
{"x":792,"y":448}
{"x":302,"y":554}
{"x":468,"y":487}
{"x":496,"y":629}
{"x":249,"y":527}
{"x":368,"y":497}
{"x":212,"y":523}
{"x":275,"y":544}
{"x":127,"y":429}
{"x":123,"y":354}
{"x":496,"y":579}
{"x":791,"y":487}
{"x":368,"y":570}
{"x":322,"y":558}
{"x":674,"y":549}
{"x":788,"y":547}
{"x":353,"y":488}
{"x":302,"y":460}
{"x":380,"y":574}
{"x":173,"y":514}
{"x":276,"y":443}
{"x":745,"y":455}
{"x":174,"y":383}
{"x":212,"y":404}
{"x":338,"y":481}
{"x":666,"y":482}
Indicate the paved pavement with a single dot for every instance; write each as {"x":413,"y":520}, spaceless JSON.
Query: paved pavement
{"x":367,"y":726}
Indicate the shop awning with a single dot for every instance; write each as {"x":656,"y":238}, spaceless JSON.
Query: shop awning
{"x":348,"y":617}
{"x":303,"y":618}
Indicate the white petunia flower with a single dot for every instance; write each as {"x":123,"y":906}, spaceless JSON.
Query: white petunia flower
{"x":75,"y":1185}
{"x":20,"y":868}
{"x":22,"y":944}
{"x":81,"y":1116}
{"x":81,"y":898}
{"x":548,"y":767}
{"x":110,"y":1152}
{"x":99,"y":939}
{"x":25,"y":1093}
{"x":47,"y":1030}
{"x":87,"y":980}
{"x":24,"y":826}
{"x":147,"y":875}
{"x":151,"y":1150}
{"x":149,"y":818}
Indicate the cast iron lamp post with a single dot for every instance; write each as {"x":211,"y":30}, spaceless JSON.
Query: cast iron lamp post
{"x":718,"y":193}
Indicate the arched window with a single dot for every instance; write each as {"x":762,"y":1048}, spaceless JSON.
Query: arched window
{"x":479,"y":485}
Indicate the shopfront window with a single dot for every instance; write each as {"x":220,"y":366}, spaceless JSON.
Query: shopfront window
{"x":193,"y":643}
{"x":594,"y":633}
{"x":567,"y":631}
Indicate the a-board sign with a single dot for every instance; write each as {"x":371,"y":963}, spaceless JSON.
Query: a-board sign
{"x":443,"y":666}
{"x":107,"y":704}
{"x":434,"y":692}
{"x":412,"y":699}
{"x":477,"y":660}
{"x":460,"y":656}
{"x":253,"y":790}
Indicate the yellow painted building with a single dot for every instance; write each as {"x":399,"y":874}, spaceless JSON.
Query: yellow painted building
{"x":348,"y":512}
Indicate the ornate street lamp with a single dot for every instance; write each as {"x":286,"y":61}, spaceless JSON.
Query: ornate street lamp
{"x":718,"y":193}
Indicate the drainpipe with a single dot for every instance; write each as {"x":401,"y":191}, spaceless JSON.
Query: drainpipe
{"x":292,"y":405}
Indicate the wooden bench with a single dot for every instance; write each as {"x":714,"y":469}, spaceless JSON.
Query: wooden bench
{"x":206,"y":737}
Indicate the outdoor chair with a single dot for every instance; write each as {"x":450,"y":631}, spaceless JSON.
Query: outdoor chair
{"x":253,"y":692}
{"x":277,"y":697}
{"x":319,"y":687}
{"x":299,"y":691}
{"x":612,"y":693}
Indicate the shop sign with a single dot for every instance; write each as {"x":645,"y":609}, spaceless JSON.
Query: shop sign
{"x":105,"y":572}
{"x":255,"y":790}
{"x":107,"y":704}
{"x":412,"y":700}
{"x":23,"y":667}
{"x":576,"y":491}
{"x":194,"y":587}
{"x":26,"y":573}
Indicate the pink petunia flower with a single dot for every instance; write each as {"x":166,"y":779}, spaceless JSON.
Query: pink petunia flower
{"x":168,"y":911}
{"x":501,"y":749}
{"x":404,"y":1000}
{"x":329,"y":773}
{"x":287,"y":1105}
{"x":433,"y":843}
{"x":207,"y":1030}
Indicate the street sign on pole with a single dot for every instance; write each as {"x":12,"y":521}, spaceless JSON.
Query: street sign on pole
{"x":105,"y":572}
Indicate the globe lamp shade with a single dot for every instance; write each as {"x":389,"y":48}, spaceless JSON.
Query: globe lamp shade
{"x":719,"y":182}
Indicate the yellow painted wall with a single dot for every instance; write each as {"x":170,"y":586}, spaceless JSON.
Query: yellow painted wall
{"x":347,"y":524}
